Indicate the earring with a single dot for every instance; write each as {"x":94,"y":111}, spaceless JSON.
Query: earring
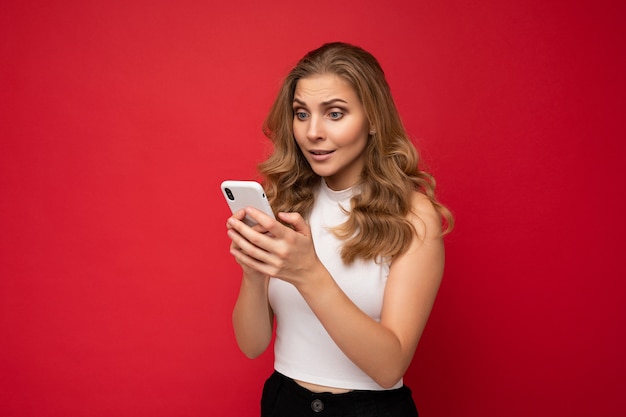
{"x":372,"y":132}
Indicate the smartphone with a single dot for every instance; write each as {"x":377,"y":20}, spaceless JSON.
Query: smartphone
{"x":242,"y":194}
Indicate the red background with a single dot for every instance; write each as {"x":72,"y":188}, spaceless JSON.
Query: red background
{"x":119,"y":120}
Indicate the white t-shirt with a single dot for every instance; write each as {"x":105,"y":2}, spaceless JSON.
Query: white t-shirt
{"x":303,"y":349}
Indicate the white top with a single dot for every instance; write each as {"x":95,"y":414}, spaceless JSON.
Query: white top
{"x":303,"y":349}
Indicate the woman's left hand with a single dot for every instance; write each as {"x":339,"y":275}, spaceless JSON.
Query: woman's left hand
{"x":285,"y":253}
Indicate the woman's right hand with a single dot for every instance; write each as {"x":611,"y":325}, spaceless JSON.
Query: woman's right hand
{"x":248,"y":273}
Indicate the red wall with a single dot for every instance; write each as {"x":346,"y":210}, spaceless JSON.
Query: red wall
{"x":119,"y":119}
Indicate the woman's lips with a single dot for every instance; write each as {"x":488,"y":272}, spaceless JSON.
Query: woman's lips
{"x":320,"y":155}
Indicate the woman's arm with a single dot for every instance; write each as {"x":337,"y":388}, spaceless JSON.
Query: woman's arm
{"x":252,"y":315}
{"x":384,"y":349}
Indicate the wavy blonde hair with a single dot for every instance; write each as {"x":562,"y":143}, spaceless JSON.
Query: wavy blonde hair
{"x":377,"y":227}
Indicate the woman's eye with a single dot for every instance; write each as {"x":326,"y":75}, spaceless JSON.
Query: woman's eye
{"x":335,"y":115}
{"x":301,"y":115}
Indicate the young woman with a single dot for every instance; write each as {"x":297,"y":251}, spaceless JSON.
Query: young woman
{"x":351,"y":268}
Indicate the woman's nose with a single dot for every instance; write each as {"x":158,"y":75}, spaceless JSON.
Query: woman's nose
{"x":315,"y":129}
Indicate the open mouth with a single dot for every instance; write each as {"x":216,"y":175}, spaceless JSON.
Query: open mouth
{"x":321,"y":152}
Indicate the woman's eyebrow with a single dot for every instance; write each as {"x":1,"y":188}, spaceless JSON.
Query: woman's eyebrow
{"x":333,"y":101}
{"x":323,"y":103}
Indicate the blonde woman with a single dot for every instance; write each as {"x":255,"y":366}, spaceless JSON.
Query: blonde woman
{"x":351,"y":268}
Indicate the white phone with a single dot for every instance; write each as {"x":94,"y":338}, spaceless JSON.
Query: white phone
{"x":242,"y":194}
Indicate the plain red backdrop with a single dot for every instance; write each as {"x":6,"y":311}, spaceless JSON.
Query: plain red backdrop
{"x":119,"y":120}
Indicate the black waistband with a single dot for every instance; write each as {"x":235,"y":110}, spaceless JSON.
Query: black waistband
{"x":347,"y":399}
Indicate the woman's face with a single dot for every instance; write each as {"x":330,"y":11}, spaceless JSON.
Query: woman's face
{"x":331,"y":128}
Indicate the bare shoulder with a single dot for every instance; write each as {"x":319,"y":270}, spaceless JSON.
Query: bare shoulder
{"x":424,"y":216}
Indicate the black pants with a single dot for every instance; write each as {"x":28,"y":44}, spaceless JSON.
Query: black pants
{"x":283,"y":397}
